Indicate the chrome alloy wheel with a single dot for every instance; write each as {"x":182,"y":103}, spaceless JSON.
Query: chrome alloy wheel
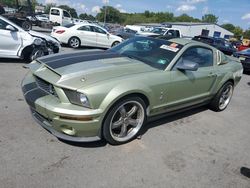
{"x":226,"y":96}
{"x":127,"y":121}
{"x":74,"y":43}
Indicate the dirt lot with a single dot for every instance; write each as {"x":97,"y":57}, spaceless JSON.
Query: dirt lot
{"x":199,"y":148}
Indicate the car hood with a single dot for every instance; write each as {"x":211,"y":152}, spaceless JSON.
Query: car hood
{"x":41,"y":35}
{"x":80,"y":69}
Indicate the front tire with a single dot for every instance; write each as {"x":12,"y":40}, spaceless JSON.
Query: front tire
{"x":26,"y":25}
{"x":222,"y":98}
{"x":74,"y":42}
{"x":124,"y":120}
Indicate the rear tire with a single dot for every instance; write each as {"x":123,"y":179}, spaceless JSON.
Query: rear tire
{"x":74,"y":42}
{"x":222,"y":98}
{"x":124,"y":120}
{"x":115,"y":43}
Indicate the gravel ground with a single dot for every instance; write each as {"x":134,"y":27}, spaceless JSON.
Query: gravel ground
{"x":198,"y":148}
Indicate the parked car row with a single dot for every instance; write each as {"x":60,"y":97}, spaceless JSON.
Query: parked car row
{"x":244,"y":57}
{"x":222,"y":44}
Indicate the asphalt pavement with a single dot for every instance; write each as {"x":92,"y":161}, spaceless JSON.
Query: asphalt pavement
{"x":197,"y":148}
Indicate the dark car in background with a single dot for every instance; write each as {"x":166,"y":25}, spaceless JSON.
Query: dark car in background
{"x":125,"y":33}
{"x":221,"y":44}
{"x":244,"y":57}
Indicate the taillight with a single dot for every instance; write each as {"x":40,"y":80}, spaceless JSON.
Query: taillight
{"x":60,"y":31}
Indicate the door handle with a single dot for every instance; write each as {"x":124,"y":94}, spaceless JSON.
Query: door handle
{"x":211,"y":74}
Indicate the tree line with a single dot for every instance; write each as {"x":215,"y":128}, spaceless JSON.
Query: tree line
{"x":113,"y":15}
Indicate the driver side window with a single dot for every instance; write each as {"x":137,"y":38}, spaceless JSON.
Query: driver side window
{"x":3,"y":24}
{"x":202,"y":56}
{"x":99,"y":30}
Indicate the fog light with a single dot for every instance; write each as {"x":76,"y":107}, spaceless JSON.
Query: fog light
{"x":68,"y":130}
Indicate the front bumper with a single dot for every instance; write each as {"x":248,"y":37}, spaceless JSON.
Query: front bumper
{"x":64,"y":120}
{"x":46,"y":125}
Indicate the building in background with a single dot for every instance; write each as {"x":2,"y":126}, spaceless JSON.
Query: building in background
{"x":189,"y":29}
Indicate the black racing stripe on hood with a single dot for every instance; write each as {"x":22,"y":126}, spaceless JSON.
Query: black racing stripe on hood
{"x":47,"y":59}
{"x":62,"y":62}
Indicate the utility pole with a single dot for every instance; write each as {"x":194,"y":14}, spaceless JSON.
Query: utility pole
{"x":105,"y":12}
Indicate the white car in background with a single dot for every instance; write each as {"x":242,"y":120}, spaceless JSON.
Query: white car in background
{"x":18,"y":43}
{"x":85,"y":34}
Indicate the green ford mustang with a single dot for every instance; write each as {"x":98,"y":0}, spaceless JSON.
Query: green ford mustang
{"x":94,"y":94}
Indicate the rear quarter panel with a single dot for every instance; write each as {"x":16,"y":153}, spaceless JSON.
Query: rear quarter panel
{"x":232,"y":70}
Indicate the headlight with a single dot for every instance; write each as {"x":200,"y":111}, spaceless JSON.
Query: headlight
{"x":38,"y":41}
{"x":77,"y":98}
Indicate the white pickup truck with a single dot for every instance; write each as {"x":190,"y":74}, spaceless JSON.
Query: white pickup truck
{"x":162,"y":31}
{"x":60,"y":16}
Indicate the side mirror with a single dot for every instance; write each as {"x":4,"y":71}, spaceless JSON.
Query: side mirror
{"x":10,"y":28}
{"x":187,"y":65}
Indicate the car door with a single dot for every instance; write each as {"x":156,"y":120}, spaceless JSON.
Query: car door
{"x":66,"y":19}
{"x":102,"y":38}
{"x":191,"y":87}
{"x":87,"y":35}
{"x":11,"y":41}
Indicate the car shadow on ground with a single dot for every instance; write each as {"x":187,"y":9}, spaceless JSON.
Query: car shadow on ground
{"x":96,"y":144}
{"x":8,"y":60}
{"x":83,"y":47}
{"x":165,"y":120}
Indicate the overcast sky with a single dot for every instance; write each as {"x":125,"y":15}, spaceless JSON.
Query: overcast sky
{"x":234,"y":11}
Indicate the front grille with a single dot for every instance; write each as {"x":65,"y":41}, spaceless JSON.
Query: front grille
{"x":45,"y":86}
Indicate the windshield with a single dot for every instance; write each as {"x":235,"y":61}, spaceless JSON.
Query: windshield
{"x":154,"y":52}
{"x":160,"y":31}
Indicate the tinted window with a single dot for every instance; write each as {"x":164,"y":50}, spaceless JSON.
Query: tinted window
{"x":99,"y":30}
{"x":85,"y":28}
{"x":3,"y":24}
{"x":160,"y":31}
{"x":202,"y":56}
{"x":55,"y":12}
{"x":69,"y":25}
{"x":154,"y":52}
{"x":66,"y":14}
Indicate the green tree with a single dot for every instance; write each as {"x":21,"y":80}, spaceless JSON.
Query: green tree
{"x":9,"y":3}
{"x":12,"y":3}
{"x":85,"y":16}
{"x":186,"y":18}
{"x":246,"y":34}
{"x":210,"y":18}
{"x":112,"y":15}
{"x":164,"y":17}
{"x":238,"y":32}
{"x":229,"y":27}
{"x":48,"y":7}
{"x":69,"y":9}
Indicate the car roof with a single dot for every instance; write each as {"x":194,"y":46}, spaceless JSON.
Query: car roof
{"x":184,"y":42}
{"x":181,"y":41}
